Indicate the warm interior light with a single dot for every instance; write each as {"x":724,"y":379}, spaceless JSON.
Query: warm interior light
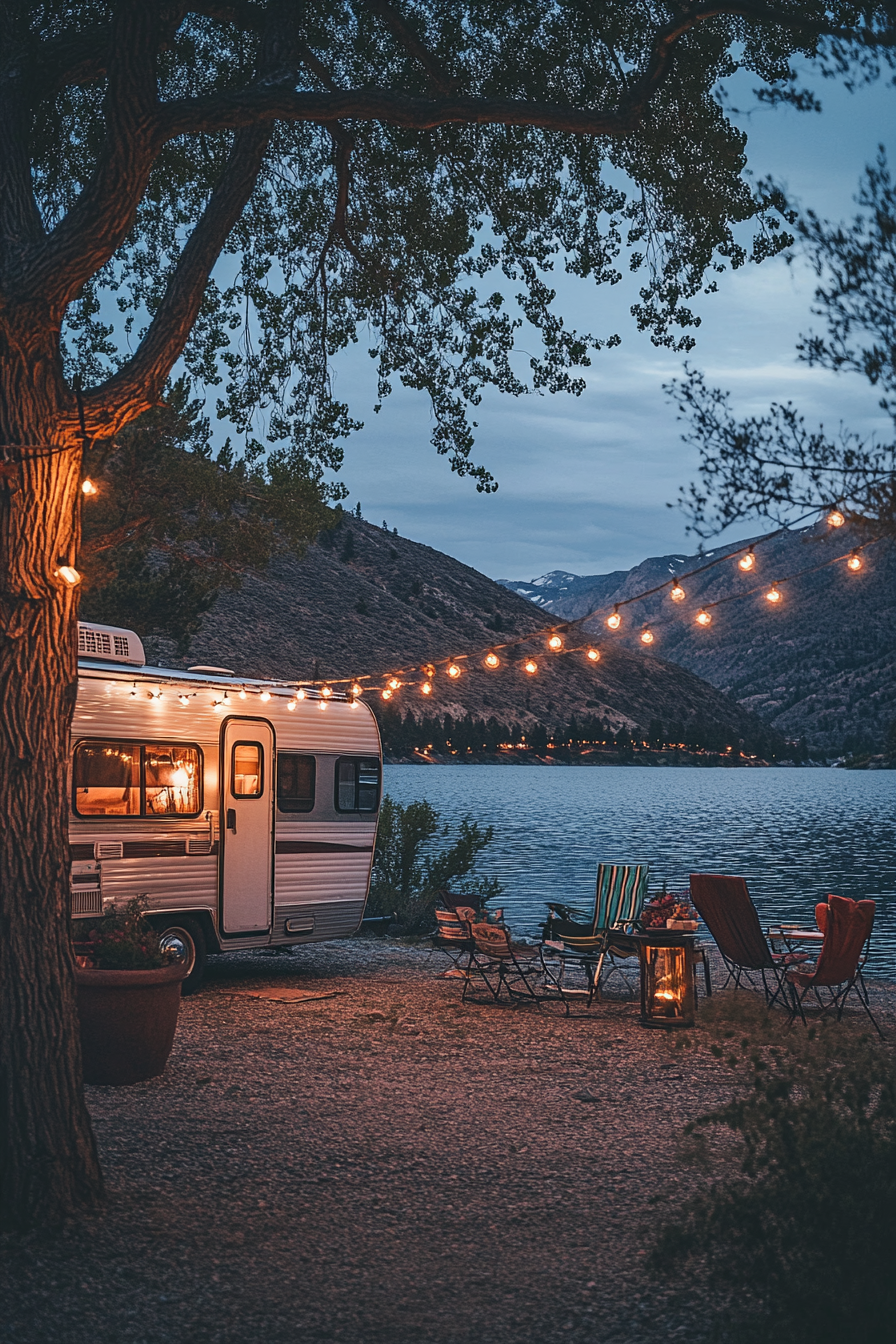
{"x":835,"y":518}
{"x":453,"y":670}
{"x":704,"y":618}
{"x":68,"y":575}
{"x":615,"y":620}
{"x":426,"y":688}
{"x":555,"y":643}
{"x":326,"y":692}
{"x":854,"y":562}
{"x":88,"y":487}
{"x":746,"y":562}
{"x":265,"y":696}
{"x":531,"y":667}
{"x":677,"y":593}
{"x":593,"y":655}
{"x":492,"y":660}
{"x":773,"y":595}
{"x":646,"y":636}
{"x":386,"y":693}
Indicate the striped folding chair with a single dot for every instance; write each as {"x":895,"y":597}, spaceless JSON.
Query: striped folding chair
{"x":453,"y":936}
{"x":619,"y":895}
{"x":502,"y":964}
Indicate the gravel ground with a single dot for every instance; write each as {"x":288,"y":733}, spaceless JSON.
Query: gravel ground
{"x":384,"y":1166}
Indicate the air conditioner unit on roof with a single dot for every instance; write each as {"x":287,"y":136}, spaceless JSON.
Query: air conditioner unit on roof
{"x":110,"y":644}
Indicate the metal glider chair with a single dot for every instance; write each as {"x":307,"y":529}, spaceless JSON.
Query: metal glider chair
{"x":498,"y":963}
{"x":847,"y":927}
{"x":619,"y":895}
{"x":726,"y":909}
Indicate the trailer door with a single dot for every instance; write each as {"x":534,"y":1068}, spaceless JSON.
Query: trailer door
{"x":247,"y":825}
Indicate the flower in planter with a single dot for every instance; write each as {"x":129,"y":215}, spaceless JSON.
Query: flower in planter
{"x":123,"y":940}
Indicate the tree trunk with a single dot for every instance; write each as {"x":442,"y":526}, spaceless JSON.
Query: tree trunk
{"x":48,"y":1160}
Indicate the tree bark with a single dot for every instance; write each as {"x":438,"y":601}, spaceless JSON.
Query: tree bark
{"x":48,"y":1161}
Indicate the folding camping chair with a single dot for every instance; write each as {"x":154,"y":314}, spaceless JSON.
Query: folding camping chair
{"x":847,"y":927}
{"x":726,"y":909}
{"x":619,"y":896}
{"x":502,"y":964}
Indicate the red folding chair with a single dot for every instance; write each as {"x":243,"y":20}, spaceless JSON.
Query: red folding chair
{"x":847,"y":926}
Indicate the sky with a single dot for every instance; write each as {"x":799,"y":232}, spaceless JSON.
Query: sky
{"x":584,"y":482}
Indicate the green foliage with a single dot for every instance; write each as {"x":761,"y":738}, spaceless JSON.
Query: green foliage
{"x":172,"y":524}
{"x":795,"y":1235}
{"x":408,"y":871}
{"x":124,"y":940}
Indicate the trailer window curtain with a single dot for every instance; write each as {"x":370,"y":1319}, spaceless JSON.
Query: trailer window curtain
{"x":295,"y":782}
{"x":136,"y":779}
{"x":357,"y":784}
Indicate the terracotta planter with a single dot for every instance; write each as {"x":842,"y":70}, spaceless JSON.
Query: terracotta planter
{"x":128,"y":1021}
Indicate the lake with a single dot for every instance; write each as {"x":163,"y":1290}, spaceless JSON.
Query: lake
{"x":794,"y":834}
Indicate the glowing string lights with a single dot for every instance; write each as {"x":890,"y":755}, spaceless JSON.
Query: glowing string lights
{"x":835,"y":518}
{"x":531,"y":666}
{"x":747,"y":562}
{"x":615,"y":620}
{"x":646,"y":635}
{"x":492,"y":660}
{"x":677,"y":593}
{"x":854,"y":562}
{"x":555,"y":643}
{"x":703,"y":617}
{"x":773,"y":595}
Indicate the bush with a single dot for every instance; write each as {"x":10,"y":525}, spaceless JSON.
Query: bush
{"x":406,"y":879}
{"x":800,"y":1240}
{"x":124,"y":940}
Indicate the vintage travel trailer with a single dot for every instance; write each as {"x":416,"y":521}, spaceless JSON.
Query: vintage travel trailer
{"x":244,"y":811}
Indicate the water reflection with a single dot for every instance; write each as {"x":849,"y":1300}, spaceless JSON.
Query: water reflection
{"x":794,"y":834}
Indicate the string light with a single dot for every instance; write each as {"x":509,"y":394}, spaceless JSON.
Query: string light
{"x":326,"y":692}
{"x":555,"y":643}
{"x":394,"y":683}
{"x":426,"y":688}
{"x":593,"y":655}
{"x":835,"y":518}
{"x":242,"y":693}
{"x":291,"y":705}
{"x":615,"y":620}
{"x":88,"y":487}
{"x":531,"y":667}
{"x":156,"y":694}
{"x":184,"y":699}
{"x":703,"y":617}
{"x":677,"y":593}
{"x":773,"y":595}
{"x":265,"y":697}
{"x":492,"y":660}
{"x":453,"y":670}
{"x":69,"y":575}
{"x":746,"y":562}
{"x":321,"y":704}
{"x":854,"y":562}
{"x":386,"y":693}
{"x":300,"y":693}
{"x":356,"y":689}
{"x":646,"y":635}
{"x":428,"y":670}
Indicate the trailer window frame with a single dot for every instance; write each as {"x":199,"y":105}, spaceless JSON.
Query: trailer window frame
{"x":358,"y":763}
{"x":259,"y":792}
{"x":302,"y":810}
{"x":140,"y":745}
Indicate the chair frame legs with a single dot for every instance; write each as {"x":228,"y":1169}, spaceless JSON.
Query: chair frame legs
{"x":839,"y":994}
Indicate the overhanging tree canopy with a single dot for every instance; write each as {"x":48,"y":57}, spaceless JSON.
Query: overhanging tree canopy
{"x":360,"y":167}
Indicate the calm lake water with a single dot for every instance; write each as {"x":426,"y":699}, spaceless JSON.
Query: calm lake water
{"x":795,"y":835}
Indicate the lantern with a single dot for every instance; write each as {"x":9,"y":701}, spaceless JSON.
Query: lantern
{"x":667,"y":979}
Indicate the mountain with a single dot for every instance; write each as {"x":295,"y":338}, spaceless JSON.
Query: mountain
{"x":364,"y":600}
{"x":819,"y":664}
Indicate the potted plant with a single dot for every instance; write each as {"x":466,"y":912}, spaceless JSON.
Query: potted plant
{"x":128,"y":994}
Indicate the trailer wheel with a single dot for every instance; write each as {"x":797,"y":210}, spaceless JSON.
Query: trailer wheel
{"x":185,"y":937}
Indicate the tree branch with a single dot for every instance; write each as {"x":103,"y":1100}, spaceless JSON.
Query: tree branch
{"x":20,"y":221}
{"x":440,"y":80}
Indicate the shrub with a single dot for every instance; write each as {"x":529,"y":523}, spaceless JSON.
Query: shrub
{"x":406,"y":878}
{"x":124,"y":940}
{"x":798,"y":1239}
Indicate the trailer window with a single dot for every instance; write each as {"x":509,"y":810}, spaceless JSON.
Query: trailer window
{"x":357,"y":784}
{"x":295,"y":782}
{"x":137,"y":779}
{"x":247,"y":770}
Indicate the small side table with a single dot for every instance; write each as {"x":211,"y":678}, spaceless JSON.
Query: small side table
{"x":667,"y":958}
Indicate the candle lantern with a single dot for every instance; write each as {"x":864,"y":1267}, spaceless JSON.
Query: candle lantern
{"x":667,"y":979}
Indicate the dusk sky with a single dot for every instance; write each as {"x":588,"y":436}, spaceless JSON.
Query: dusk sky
{"x":584,"y":482}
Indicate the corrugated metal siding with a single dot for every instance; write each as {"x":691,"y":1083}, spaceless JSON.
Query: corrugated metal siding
{"x":332,"y":919}
{"x":169,"y":883}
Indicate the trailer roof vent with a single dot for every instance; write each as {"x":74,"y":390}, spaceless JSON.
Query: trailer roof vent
{"x":110,"y":643}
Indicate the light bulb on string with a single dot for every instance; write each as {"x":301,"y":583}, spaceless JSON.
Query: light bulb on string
{"x":265,"y":697}
{"x":835,"y":518}
{"x":394,"y":683}
{"x":184,"y":699}
{"x":326,"y":692}
{"x":226,"y":700}
{"x":854,"y":562}
{"x":321,"y":704}
{"x":386,"y":693}
{"x":555,"y":643}
{"x":492,"y":660}
{"x":300,"y":693}
{"x":773,"y":595}
{"x":356,"y":689}
{"x":615,"y":620}
{"x":646,"y":635}
{"x":69,"y":575}
{"x":453,"y":670}
{"x":593,"y":656}
{"x":676,"y":592}
{"x":426,"y":688}
{"x":243,"y":693}
{"x":531,"y":666}
{"x":88,"y":487}
{"x":428,"y":670}
{"x":703,"y":617}
{"x":747,"y":562}
{"x":291,"y":706}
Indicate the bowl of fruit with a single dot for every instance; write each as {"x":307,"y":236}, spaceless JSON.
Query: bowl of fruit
{"x":672,"y":910}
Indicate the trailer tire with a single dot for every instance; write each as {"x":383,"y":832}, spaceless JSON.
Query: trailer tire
{"x":186,"y":937}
